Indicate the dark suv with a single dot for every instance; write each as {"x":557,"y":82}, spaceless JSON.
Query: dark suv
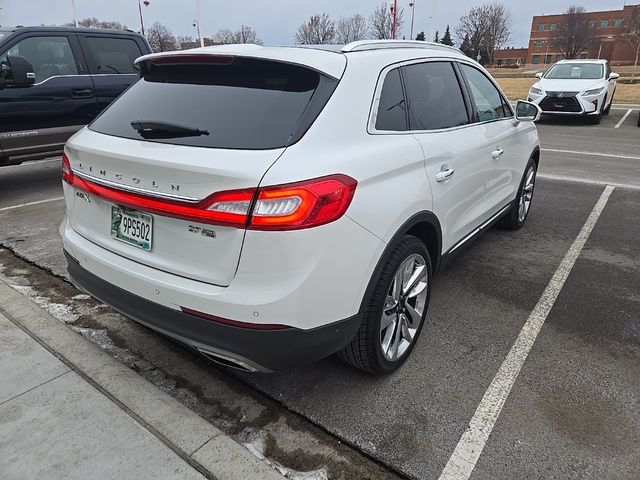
{"x":55,"y":80}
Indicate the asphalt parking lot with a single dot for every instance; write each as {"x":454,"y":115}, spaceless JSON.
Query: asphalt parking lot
{"x":574,"y":409}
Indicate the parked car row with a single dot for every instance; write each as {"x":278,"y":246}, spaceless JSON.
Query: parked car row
{"x":53,"y":81}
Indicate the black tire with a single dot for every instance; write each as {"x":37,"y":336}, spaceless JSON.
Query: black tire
{"x":512,"y":220}
{"x":607,"y":109}
{"x":365,"y":350}
{"x":596,"y":119}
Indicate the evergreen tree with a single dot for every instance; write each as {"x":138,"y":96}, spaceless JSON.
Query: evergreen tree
{"x":437,"y":39}
{"x":420,"y":37}
{"x":466,"y":47}
{"x":446,"y":38}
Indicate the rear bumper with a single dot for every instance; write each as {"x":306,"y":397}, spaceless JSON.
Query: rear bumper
{"x":253,"y":350}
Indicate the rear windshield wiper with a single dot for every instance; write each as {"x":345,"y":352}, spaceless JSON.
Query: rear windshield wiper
{"x":153,"y":129}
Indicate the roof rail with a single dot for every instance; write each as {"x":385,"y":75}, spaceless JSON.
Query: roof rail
{"x":365,"y":45}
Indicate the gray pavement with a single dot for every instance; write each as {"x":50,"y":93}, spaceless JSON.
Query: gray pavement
{"x":70,"y":411}
{"x":574,"y":410}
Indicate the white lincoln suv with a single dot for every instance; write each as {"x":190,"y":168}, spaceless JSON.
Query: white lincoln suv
{"x":576,"y":87}
{"x":270,"y":206}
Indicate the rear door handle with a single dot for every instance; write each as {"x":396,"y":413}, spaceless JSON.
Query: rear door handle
{"x":82,"y":92}
{"x":497,"y":153}
{"x":444,"y":174}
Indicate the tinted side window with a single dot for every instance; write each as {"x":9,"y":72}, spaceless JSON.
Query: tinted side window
{"x":434,"y":96}
{"x":392,"y":111}
{"x":113,"y":55}
{"x":49,"y":56}
{"x":485,"y":96}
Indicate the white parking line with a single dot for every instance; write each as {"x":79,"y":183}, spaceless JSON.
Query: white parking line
{"x":20,"y":205}
{"x":466,"y":454}
{"x":625,"y":116}
{"x":593,"y":154}
{"x":586,"y":181}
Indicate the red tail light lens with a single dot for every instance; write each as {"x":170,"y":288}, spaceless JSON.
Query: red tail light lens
{"x":282,"y":207}
{"x":302,"y":205}
{"x":67,"y":173}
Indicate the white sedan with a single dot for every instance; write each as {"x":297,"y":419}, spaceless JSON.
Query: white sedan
{"x":576,"y":87}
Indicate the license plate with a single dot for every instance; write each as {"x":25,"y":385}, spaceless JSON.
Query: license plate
{"x":132,"y":227}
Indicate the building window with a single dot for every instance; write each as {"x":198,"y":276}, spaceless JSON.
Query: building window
{"x":541,"y":27}
{"x":618,"y":23}
{"x":592,"y":24}
{"x":548,"y":59}
{"x":536,"y":59}
{"x":604,"y":23}
{"x":537,"y":43}
{"x":553,"y":26}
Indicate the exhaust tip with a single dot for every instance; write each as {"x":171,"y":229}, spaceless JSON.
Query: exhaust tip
{"x":226,"y":361}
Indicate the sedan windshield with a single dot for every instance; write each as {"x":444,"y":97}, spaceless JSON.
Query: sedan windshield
{"x":575,"y":71}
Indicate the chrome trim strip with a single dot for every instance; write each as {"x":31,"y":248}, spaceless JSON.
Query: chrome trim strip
{"x":478,"y":229}
{"x":129,"y":188}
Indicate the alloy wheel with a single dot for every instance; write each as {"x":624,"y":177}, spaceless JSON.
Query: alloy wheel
{"x":404,"y":307}
{"x":527,"y":194}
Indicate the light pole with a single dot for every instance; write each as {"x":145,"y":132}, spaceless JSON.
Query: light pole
{"x":413,"y":11}
{"x":197,"y":21}
{"x":394,"y":19}
{"x":75,"y":15}
{"x":196,"y":24}
{"x":146,"y":4}
{"x":601,"y":42}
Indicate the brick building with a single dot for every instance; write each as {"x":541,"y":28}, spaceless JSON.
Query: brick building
{"x":610,"y":27}
{"x":510,"y":57}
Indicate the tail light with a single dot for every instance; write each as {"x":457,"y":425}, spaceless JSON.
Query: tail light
{"x":67,"y":173}
{"x":282,"y":207}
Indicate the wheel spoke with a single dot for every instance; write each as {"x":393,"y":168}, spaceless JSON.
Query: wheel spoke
{"x":388,"y":337}
{"x":395,"y":343}
{"x":415,"y":277}
{"x":387,"y":319}
{"x":390,"y":303}
{"x":416,"y":317}
{"x":396,"y":290}
{"x":404,"y":324}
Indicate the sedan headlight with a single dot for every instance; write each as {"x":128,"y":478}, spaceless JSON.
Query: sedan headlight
{"x":595,"y":91}
{"x":535,"y":91}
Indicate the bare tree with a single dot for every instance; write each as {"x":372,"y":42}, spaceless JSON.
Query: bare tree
{"x":93,"y":22}
{"x":224,"y":36}
{"x":575,"y":35}
{"x":381,"y":22}
{"x":318,"y":30}
{"x":160,"y":38}
{"x":633,"y":36}
{"x":244,"y":34}
{"x":351,"y":29}
{"x":487,"y":27}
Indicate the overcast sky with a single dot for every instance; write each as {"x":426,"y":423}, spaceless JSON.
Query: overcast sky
{"x":274,"y":20}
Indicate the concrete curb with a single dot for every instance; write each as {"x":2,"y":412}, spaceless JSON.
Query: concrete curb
{"x":196,"y":441}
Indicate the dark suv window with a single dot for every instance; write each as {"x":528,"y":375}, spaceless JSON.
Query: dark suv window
{"x":392,"y":111}
{"x":434,"y":96}
{"x":113,"y":55}
{"x":49,"y":56}
{"x":241,"y":104}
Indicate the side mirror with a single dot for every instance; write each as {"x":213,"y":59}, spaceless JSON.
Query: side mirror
{"x":20,"y":71}
{"x":527,"y":111}
{"x":614,"y":76}
{"x":539,"y":74}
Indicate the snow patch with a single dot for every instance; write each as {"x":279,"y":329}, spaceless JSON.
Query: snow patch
{"x":256,"y":447}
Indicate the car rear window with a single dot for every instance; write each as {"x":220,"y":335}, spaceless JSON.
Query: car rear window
{"x":240,"y":103}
